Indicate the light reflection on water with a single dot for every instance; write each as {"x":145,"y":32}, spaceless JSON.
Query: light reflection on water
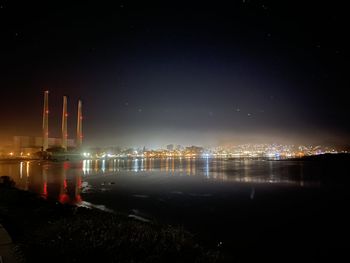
{"x":245,"y":170}
{"x":64,"y":180}
{"x":61,"y":181}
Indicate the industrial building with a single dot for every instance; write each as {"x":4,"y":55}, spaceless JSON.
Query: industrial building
{"x":23,"y":145}
{"x":32,"y":144}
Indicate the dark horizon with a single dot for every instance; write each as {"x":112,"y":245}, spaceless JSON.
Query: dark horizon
{"x":193,"y":74}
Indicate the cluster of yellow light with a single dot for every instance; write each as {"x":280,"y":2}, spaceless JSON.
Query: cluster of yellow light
{"x":12,"y":154}
{"x":165,"y":154}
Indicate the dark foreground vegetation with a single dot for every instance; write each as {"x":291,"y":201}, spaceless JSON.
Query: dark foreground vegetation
{"x":47,"y":231}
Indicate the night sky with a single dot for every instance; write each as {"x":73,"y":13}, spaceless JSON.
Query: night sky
{"x":178,"y":72}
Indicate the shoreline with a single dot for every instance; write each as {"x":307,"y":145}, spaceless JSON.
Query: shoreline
{"x":227,"y":223}
{"x":67,"y":233}
{"x":282,"y":158}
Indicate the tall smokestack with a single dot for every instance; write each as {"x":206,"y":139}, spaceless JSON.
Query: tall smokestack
{"x":64,"y":124}
{"x":46,"y":121}
{"x":79,"y":141}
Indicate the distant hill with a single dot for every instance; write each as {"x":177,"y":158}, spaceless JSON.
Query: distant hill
{"x":338,"y":157}
{"x":334,"y":169}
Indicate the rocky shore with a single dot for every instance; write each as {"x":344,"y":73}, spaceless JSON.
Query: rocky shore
{"x":46,"y":230}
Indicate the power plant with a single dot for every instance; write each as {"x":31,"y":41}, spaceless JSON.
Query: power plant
{"x":57,"y":148}
{"x":64,"y":134}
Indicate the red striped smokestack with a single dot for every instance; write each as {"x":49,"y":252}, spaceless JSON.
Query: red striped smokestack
{"x":46,"y":121}
{"x":79,"y":140}
{"x":64,"y":124}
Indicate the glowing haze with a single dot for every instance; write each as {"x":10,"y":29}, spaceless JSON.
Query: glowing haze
{"x":150,"y":74}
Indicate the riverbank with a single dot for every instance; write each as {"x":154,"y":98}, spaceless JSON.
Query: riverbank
{"x":45,"y":230}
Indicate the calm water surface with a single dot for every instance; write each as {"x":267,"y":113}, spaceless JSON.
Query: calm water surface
{"x":69,"y":181}
{"x":250,"y":207}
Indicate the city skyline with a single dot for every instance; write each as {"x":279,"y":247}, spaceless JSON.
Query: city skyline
{"x":47,"y":132}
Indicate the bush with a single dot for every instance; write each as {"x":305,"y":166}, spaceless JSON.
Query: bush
{"x":6,"y":181}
